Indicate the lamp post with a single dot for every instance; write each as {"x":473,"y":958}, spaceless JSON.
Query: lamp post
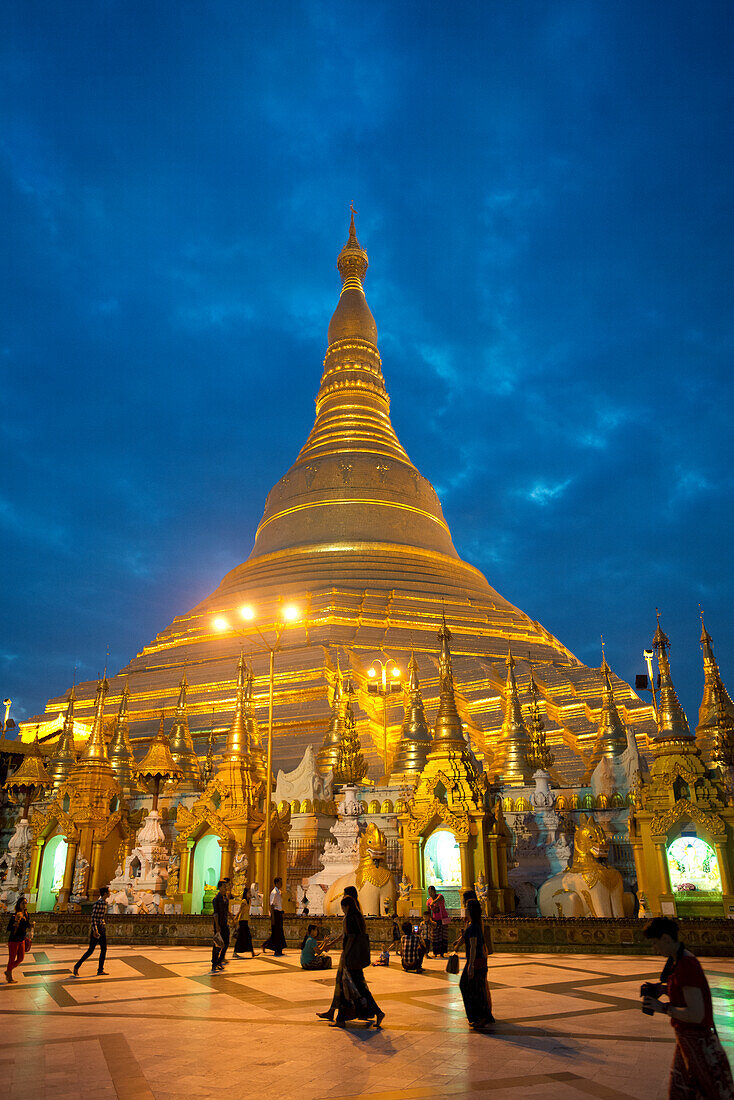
{"x":384,"y":681}
{"x":290,"y":614}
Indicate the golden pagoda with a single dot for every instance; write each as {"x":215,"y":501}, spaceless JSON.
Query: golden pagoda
{"x":63,"y":758}
{"x":355,"y":536}
{"x":327,"y":755}
{"x":30,"y":778}
{"x":225,"y":827}
{"x":351,"y":766}
{"x":182,"y":745}
{"x":682,"y":830}
{"x":122,"y":760}
{"x":540,"y":756}
{"x":513,"y":761}
{"x":254,"y":740}
{"x":158,"y":765}
{"x":415,"y":737}
{"x":716,"y":704}
{"x":611,"y":737}
{"x":451,"y":837}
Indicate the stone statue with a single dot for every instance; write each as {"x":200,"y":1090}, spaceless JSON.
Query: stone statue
{"x":79,"y":882}
{"x":375,"y":883}
{"x":304,"y":782}
{"x":403,"y":906}
{"x":240,"y":865}
{"x":587,"y":888}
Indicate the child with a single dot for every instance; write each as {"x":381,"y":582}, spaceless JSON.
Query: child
{"x":425,"y":932}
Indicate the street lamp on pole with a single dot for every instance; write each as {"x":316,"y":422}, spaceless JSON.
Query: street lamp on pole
{"x":290,"y":615}
{"x":384,"y":681}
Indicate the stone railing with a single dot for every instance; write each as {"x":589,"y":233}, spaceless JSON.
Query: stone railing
{"x":522,"y":934}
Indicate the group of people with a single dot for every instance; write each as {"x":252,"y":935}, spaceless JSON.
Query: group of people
{"x":700,"y":1065}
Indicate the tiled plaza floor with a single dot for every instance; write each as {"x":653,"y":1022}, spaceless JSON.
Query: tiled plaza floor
{"x":159,"y":1026}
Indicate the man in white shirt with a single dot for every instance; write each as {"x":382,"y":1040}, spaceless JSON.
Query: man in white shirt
{"x":276,"y":940}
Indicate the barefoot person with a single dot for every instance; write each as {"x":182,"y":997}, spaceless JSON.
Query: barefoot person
{"x":352,"y":998}
{"x":220,"y":931}
{"x":19,"y":933}
{"x":700,"y":1066}
{"x":243,"y":942}
{"x":473,"y":982}
{"x":440,"y":918}
{"x":97,"y":933}
{"x":276,"y":940}
{"x":312,"y":952}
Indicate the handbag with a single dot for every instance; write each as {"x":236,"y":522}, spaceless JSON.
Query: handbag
{"x":217,"y":940}
{"x":452,"y":963}
{"x":28,"y":939}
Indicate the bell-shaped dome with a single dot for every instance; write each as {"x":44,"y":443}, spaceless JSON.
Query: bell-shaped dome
{"x":352,"y":317}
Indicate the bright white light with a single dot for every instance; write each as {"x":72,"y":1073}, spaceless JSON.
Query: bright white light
{"x":290,"y":613}
{"x":372,"y":672}
{"x":247,"y":613}
{"x":396,"y":672}
{"x":220,"y":623}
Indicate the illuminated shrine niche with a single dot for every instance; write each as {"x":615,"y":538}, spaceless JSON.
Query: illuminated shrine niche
{"x":442,"y":865}
{"x":693,"y":866}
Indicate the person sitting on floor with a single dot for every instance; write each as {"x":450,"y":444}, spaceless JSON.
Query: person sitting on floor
{"x":411,"y":949}
{"x":312,"y":953}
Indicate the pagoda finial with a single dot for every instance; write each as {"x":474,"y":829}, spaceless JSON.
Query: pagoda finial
{"x":540,"y":756}
{"x":415,"y":737}
{"x":672,"y":722}
{"x":515,"y":745}
{"x":448,"y":725}
{"x":611,"y":737}
{"x":237,"y":737}
{"x":716,"y":712}
{"x":182,"y":745}
{"x":326,"y":757}
{"x":121,"y":751}
{"x":95,"y":750}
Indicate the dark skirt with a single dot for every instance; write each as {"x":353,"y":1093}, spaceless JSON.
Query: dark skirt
{"x":243,"y":942}
{"x":476,"y":995}
{"x":276,"y":940}
{"x":439,"y":938}
{"x":349,"y":1005}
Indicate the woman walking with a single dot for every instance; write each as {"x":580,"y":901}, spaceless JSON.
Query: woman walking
{"x":473,"y":981}
{"x":243,"y":942}
{"x":19,"y":938}
{"x":440,"y":918}
{"x":352,"y":998}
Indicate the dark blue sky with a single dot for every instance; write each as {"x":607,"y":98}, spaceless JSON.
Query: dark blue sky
{"x":545,"y":193}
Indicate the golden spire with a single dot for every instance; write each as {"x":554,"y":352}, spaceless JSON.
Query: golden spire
{"x":237,"y":737}
{"x":448,"y":725}
{"x":95,"y":750}
{"x":158,"y":760}
{"x":540,"y":756}
{"x":31,"y":777}
{"x":182,"y":745}
{"x":326,"y":757}
{"x":716,"y":700}
{"x":415,"y":737}
{"x":611,"y":737}
{"x":515,"y":746}
{"x":672,"y":722}
{"x":121,"y":755}
{"x":63,"y":758}
{"x":352,"y":317}
{"x":254,"y":740}
{"x":350,"y":766}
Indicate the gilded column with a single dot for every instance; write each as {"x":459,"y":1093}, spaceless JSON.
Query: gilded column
{"x":724,"y":870}
{"x":227,"y":857}
{"x":467,"y":878}
{"x":96,"y":872}
{"x":68,"y":881}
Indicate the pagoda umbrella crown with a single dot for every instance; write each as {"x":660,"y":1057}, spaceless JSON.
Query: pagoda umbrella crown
{"x":158,"y":763}
{"x":31,"y":775}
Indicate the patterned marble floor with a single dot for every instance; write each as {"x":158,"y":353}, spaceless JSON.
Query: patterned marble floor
{"x":159,"y":1026}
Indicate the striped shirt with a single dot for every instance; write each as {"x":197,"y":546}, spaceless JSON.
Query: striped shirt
{"x":99,"y":912}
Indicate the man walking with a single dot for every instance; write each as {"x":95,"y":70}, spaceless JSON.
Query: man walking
{"x":276,"y":940}
{"x":97,"y":933}
{"x":220,"y":907}
{"x":700,"y":1066}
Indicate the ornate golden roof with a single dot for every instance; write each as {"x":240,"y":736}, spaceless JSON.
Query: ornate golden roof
{"x":158,"y":761}
{"x":122,"y":759}
{"x":31,"y":773}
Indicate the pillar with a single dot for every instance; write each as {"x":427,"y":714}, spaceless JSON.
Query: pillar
{"x":467,"y":878}
{"x":724,"y":870}
{"x":68,"y":881}
{"x":96,"y":869}
{"x":227,"y":856}
{"x":259,"y":870}
{"x":639,"y":867}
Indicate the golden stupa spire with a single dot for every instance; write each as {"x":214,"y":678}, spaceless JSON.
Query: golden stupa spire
{"x":514,"y":743}
{"x":327,"y":755}
{"x":182,"y":745}
{"x":254,"y":740}
{"x":237,"y":747}
{"x":448,"y":725}
{"x":672,"y":722}
{"x":415,"y":737}
{"x":95,"y":750}
{"x":716,"y":700}
{"x":63,"y":758}
{"x":121,"y":755}
{"x":158,"y":766}
{"x":611,"y":737}
{"x":540,"y":756}
{"x":350,"y":766}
